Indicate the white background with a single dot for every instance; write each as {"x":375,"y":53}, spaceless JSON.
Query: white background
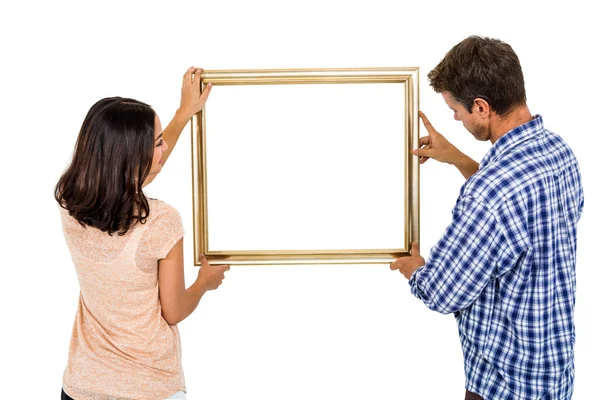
{"x":295,"y":332}
{"x":312,"y":171}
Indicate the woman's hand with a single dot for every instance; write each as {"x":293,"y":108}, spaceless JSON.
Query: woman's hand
{"x":210,"y":277}
{"x":192,"y":101}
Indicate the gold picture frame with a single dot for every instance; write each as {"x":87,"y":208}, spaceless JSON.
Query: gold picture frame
{"x":407,"y":77}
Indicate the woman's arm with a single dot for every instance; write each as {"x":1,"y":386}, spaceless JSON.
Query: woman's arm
{"x":176,"y":301}
{"x":192,"y":101}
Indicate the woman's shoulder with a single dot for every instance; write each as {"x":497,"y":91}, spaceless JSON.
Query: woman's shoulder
{"x":159,"y":208}
{"x":65,"y":215}
{"x":164,"y":224}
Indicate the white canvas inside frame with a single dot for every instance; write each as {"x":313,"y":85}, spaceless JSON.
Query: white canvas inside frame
{"x":306,"y":167}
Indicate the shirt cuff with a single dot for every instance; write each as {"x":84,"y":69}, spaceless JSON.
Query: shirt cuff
{"x":414,"y":284}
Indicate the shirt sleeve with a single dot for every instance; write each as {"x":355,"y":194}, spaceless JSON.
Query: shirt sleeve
{"x":166,"y":231}
{"x":464,"y":260}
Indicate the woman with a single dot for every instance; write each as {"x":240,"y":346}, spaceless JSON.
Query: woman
{"x":128,"y":253}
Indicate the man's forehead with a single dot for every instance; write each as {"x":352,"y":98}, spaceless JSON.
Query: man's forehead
{"x":448,"y":97}
{"x":450,"y":101}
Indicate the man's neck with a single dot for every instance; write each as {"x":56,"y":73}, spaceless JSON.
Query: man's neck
{"x":500,"y":126}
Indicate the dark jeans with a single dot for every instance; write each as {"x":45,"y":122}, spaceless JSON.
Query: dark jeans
{"x":65,"y":396}
{"x":472,"y":396}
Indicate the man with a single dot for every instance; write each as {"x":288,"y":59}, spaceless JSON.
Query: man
{"x":505,"y":266}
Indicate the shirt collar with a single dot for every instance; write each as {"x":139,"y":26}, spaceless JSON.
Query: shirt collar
{"x":512,"y":138}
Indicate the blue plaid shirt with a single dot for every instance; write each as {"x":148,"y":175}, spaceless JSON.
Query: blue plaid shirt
{"x":506,"y":267}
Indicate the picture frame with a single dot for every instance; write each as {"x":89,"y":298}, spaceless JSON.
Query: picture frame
{"x":271,"y":143}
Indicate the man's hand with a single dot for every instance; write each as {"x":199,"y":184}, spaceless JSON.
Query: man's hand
{"x":440,"y":149}
{"x":436,"y":146}
{"x":408,"y":265}
{"x":191,"y":99}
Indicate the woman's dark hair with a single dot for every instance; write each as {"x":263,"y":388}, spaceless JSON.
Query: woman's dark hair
{"x":481,"y":67}
{"x":113,"y":156}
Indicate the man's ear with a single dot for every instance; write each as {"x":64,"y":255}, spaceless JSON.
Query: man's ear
{"x":481,"y":107}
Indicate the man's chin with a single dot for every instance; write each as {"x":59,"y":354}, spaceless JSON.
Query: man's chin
{"x":481,"y":136}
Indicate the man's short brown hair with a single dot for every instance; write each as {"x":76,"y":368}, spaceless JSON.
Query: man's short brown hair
{"x":480,"y":67}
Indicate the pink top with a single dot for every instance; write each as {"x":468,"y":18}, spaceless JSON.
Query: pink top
{"x":121,"y":347}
